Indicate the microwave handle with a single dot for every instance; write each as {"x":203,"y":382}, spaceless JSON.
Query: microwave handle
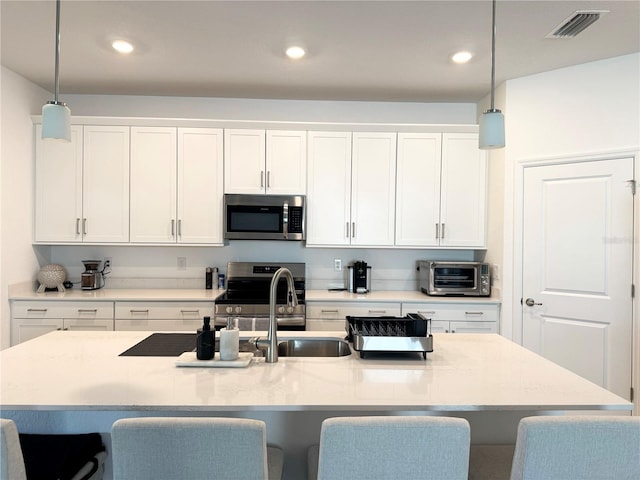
{"x":285,"y":220}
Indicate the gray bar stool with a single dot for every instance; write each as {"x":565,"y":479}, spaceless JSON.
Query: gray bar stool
{"x":11,"y":460}
{"x":370,"y":448}
{"x":193,"y":448}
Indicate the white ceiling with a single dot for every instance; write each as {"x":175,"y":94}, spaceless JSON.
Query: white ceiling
{"x":357,"y":50}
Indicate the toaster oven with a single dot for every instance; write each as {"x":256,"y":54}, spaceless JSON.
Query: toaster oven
{"x":455,"y":278}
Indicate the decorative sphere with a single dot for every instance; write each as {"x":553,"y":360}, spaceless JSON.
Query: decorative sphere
{"x":52,"y":275}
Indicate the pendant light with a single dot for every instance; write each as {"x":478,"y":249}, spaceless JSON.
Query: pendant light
{"x":492,"y":120}
{"x":56,"y":116}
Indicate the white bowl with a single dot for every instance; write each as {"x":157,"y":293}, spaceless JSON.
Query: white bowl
{"x":52,"y":276}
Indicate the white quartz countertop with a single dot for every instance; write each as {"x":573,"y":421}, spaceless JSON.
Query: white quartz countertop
{"x":196,"y":295}
{"x":74,"y":370}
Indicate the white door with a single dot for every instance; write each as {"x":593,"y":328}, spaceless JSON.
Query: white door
{"x":329,"y":188}
{"x":286,"y":162}
{"x":373,"y":189}
{"x":418,"y":189}
{"x":153,"y":185}
{"x":200,"y":185}
{"x":105,"y":196}
{"x":244,"y":161}
{"x":577,"y":268}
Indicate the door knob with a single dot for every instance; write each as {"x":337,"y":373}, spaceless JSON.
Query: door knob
{"x":531,"y":302}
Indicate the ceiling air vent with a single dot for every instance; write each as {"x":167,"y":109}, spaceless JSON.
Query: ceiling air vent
{"x":576,"y":23}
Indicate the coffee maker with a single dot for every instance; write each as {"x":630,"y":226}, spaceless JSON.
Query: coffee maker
{"x":92,"y":277}
{"x":359,"y":277}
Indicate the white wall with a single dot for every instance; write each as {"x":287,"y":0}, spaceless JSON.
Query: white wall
{"x":18,"y":262}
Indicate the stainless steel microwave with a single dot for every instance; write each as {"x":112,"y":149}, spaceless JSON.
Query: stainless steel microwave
{"x":455,"y":278}
{"x":264,"y":217}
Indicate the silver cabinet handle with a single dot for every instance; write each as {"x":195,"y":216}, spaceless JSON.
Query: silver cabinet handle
{"x":431,"y":312}
{"x":87,"y":310}
{"x":77,"y":226}
{"x":84,"y":226}
{"x":180,"y":227}
{"x":353,"y":229}
{"x":268,"y":178}
{"x":146,"y":310}
{"x":442,"y":231}
{"x":36,"y":309}
{"x":348,"y":234}
{"x":329,"y":311}
{"x":261,"y":178}
{"x":190,"y":311}
{"x":474,"y":313}
{"x":173,"y":227}
{"x":381,"y":312}
{"x":437,"y":230}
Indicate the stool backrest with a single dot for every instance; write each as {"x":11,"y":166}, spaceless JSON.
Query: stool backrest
{"x":403,"y":447}
{"x":11,"y":459}
{"x":577,"y":447}
{"x":193,"y":448}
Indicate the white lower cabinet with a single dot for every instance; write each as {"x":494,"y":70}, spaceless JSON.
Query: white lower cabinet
{"x":458,"y":317}
{"x":32,"y":319}
{"x":161,"y":316}
{"x":330,"y":316}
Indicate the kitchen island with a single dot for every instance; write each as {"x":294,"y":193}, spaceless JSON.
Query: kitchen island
{"x":71,"y":381}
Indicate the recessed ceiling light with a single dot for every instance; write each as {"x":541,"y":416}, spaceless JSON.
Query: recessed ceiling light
{"x":295,"y":52}
{"x":461,"y":57}
{"x":122,"y":46}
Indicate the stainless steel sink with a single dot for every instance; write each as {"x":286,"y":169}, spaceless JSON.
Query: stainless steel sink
{"x":313,"y":347}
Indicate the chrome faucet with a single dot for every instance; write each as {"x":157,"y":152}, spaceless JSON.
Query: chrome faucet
{"x":270,"y":345}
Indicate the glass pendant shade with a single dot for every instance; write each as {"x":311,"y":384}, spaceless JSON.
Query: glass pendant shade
{"x":492,"y":129}
{"x":56,"y":121}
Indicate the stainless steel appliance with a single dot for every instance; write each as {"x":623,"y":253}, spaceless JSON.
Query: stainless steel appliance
{"x":92,"y":278}
{"x":359,"y":277}
{"x":264,"y":217}
{"x":246,"y":299}
{"x":455,"y":278}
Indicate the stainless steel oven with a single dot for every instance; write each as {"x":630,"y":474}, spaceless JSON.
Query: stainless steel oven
{"x":264,"y":217}
{"x":455,"y":278}
{"x":246,"y":299}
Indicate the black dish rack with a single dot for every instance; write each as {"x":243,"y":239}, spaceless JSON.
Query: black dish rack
{"x":411,"y":333}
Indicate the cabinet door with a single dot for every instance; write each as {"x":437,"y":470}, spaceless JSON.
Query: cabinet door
{"x":105,"y":189}
{"x":373,"y":189}
{"x":153,"y":185}
{"x":200,"y":185}
{"x":463,"y":191}
{"x":244,"y":161}
{"x":58,"y":188}
{"x":329,"y":188}
{"x":474,"y":327}
{"x":23,"y":329}
{"x":286,"y":162}
{"x":418,"y":189}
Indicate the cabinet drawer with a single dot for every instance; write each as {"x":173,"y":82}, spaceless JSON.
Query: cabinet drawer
{"x":62,"y":309}
{"x":338,"y":311}
{"x":472,"y":312}
{"x":163,"y":310}
{"x":156,"y":325}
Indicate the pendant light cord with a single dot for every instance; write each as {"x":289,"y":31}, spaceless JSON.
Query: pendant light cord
{"x":493,"y":54}
{"x":56,"y":84}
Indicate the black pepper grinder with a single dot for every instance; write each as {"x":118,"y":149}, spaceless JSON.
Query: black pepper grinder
{"x":206,"y":341}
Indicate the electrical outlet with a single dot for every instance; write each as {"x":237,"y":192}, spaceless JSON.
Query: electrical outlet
{"x":107,"y":263}
{"x":337,"y":265}
{"x":182,"y":263}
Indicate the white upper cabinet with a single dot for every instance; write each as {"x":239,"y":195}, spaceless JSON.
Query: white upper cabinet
{"x":105,"y":188}
{"x":58,"y":189}
{"x":176,"y":185}
{"x":441,"y":191}
{"x":329,"y":188}
{"x":259,"y":161}
{"x":153,"y":184}
{"x":463,"y":196}
{"x":373,"y":189}
{"x":351,"y":188}
{"x":200,"y":185}
{"x":82,"y":187}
